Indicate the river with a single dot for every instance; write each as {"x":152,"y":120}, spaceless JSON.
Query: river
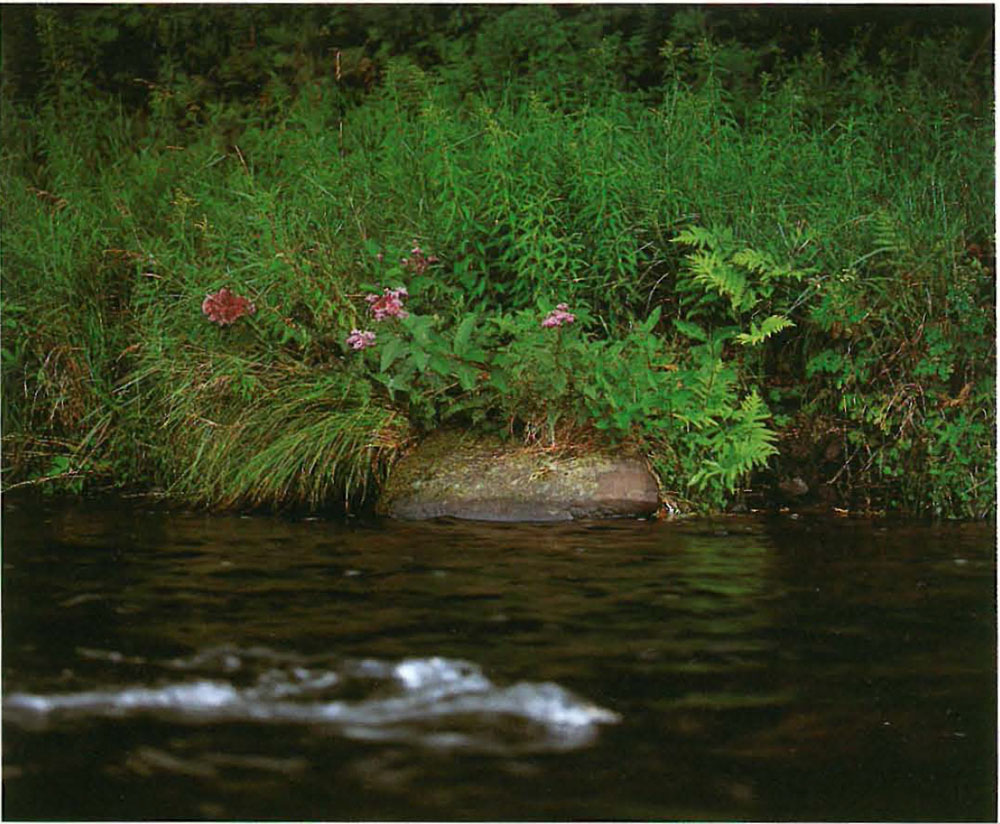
{"x":183,"y":665}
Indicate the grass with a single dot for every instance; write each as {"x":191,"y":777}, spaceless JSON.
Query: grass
{"x":244,"y":435}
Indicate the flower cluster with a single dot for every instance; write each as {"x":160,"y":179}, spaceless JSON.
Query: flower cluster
{"x":360,"y":340}
{"x":389,"y":304}
{"x":417,"y":262}
{"x":224,"y":307}
{"x":558,"y":316}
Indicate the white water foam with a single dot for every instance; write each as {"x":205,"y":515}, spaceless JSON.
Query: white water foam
{"x":435,"y":702}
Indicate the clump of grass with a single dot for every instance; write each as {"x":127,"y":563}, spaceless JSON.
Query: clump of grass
{"x":240,"y":433}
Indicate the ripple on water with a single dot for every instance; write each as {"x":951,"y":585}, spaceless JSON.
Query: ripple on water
{"x":433,"y":702}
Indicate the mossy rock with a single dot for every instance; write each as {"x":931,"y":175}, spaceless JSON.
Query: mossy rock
{"x":459,"y":475}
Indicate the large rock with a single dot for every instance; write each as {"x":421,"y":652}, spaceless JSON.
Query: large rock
{"x":458,"y":475}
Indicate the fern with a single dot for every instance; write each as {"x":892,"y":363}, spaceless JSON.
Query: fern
{"x":710,"y":269}
{"x":739,"y":446}
{"x":747,"y":278}
{"x":704,"y":238}
{"x":758,"y":334}
{"x":769,"y":270}
{"x":759,"y":262}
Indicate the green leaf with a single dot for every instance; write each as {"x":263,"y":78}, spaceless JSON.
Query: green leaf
{"x":420,"y":358}
{"x":441,"y":365}
{"x":421,"y":327}
{"x":826,"y":361}
{"x":758,"y":334}
{"x":60,"y":464}
{"x":753,"y":260}
{"x":463,"y":334}
{"x":498,"y":380}
{"x":711,"y":270}
{"x":649,"y":324}
{"x":622,"y":419}
{"x":691,"y":330}
{"x":463,"y":275}
{"x":703,"y":238}
{"x":391,"y":350}
{"x":467,"y":376}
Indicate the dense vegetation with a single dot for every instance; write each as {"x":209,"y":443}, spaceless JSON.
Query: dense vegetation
{"x":760,"y":258}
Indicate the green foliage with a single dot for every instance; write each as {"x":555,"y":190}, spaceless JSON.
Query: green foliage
{"x":918,"y":404}
{"x":748,"y":279}
{"x":732,"y":212}
{"x":742,"y":444}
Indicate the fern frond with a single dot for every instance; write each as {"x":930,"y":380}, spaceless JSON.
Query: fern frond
{"x":758,"y":334}
{"x":710,"y":269}
{"x":751,"y":442}
{"x":754,"y":410}
{"x":755,"y":261}
{"x":697,"y":236}
{"x":702,"y":237}
{"x":763,"y":264}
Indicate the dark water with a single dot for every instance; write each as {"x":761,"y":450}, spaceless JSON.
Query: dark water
{"x":191,"y":666}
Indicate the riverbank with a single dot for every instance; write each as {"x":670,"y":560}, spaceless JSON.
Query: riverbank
{"x":265,"y":299}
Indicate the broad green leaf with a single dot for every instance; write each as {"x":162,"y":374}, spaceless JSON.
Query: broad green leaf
{"x":463,"y":334}
{"x":650,"y":322}
{"x":391,"y":350}
{"x":421,"y":327}
{"x":442,"y":366}
{"x":420,"y":358}
{"x":691,"y":330}
{"x":467,"y":376}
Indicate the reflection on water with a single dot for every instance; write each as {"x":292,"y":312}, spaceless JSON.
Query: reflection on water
{"x":183,"y":665}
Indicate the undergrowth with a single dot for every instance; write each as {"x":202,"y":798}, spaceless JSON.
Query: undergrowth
{"x":748,"y":256}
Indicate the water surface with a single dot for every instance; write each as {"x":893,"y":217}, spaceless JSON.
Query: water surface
{"x":183,"y":665}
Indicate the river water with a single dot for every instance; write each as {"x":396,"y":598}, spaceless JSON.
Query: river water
{"x":175,"y":665}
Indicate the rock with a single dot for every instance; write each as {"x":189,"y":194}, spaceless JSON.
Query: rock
{"x":794,"y":487}
{"x":459,"y":475}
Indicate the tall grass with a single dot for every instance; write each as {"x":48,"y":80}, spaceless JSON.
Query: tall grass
{"x":244,"y":433}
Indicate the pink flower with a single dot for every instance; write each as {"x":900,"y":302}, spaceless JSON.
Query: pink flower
{"x":418,"y":261}
{"x":224,"y":307}
{"x":389,"y":304}
{"x":360,"y":340}
{"x":558,"y":316}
